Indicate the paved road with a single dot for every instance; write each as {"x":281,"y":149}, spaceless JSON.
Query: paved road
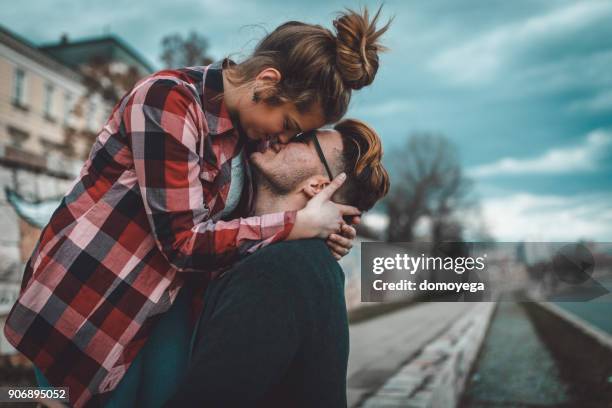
{"x":380,"y":346}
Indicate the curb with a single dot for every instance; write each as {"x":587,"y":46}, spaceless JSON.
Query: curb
{"x":437,"y":374}
{"x":584,"y":351}
{"x":599,"y":336}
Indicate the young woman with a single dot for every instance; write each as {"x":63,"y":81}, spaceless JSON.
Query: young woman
{"x":158,"y":202}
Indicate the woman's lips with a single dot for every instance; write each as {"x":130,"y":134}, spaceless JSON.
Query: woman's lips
{"x":263,"y":145}
{"x":268,"y":142}
{"x":276,"y":146}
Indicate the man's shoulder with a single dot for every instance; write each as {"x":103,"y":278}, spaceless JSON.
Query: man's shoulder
{"x":295,"y":247}
{"x":290,"y":259}
{"x":308,"y":251}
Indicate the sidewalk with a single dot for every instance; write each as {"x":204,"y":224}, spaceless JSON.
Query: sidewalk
{"x":381,"y":346}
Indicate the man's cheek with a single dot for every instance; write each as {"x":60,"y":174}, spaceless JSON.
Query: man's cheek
{"x":293,"y":160}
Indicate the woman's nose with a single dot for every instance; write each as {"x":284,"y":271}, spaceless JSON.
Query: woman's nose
{"x":286,"y":137}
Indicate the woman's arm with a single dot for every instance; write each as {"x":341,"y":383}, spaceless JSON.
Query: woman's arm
{"x":163,"y":123}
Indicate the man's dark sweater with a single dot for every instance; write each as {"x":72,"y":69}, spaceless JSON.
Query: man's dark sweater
{"x":273,"y":332}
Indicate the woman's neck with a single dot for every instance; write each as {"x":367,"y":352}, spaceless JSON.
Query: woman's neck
{"x":231,"y":93}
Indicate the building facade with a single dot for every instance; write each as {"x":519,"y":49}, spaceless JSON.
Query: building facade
{"x":49,"y":119}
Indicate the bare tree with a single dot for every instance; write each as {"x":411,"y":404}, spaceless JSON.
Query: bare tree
{"x":110,"y":80}
{"x":184,"y":52}
{"x":428,"y":182}
{"x":105,"y":80}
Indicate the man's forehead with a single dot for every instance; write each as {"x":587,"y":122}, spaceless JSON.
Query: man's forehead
{"x":330,"y":140}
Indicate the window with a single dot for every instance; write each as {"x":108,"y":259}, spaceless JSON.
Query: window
{"x":67,"y":107}
{"x":17,"y":136}
{"x":19,"y":88}
{"x":49,"y":146}
{"x":48,"y":104}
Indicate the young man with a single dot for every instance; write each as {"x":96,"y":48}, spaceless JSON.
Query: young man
{"x":274,"y":330}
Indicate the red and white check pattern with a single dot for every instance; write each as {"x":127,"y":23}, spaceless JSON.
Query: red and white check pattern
{"x":140,"y":221}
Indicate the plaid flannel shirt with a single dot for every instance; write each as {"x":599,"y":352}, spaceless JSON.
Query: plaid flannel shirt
{"x":140,"y":221}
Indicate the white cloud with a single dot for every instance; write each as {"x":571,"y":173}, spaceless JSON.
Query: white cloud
{"x":525,"y":216}
{"x":388,"y":108}
{"x":590,"y":71}
{"x":530,"y":217}
{"x":598,"y":103}
{"x":478,"y":60}
{"x":580,"y":158}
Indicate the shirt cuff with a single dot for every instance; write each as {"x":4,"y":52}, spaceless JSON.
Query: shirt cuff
{"x":276,"y":227}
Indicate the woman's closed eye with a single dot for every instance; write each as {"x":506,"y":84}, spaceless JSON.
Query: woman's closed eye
{"x":300,"y":138}
{"x":291,"y":127}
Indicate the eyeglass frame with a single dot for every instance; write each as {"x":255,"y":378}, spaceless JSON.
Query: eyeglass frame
{"x":312,"y":134}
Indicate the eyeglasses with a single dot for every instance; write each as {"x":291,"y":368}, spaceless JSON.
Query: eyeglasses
{"x":304,"y":137}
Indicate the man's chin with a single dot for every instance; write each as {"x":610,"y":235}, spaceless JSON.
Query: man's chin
{"x":257,"y":158}
{"x":261,"y":155}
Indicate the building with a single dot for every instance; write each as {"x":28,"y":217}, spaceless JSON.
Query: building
{"x":37,"y":100}
{"x":75,"y":54}
{"x":49,"y":119}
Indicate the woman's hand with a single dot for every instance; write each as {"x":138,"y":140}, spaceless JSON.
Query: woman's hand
{"x":322,"y":217}
{"x":341,"y":244}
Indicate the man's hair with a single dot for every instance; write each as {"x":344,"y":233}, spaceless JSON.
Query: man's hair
{"x":367,"y":180}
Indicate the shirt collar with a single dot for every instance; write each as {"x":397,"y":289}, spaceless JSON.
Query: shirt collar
{"x":217,"y":115}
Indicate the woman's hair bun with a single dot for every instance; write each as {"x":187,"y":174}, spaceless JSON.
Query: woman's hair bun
{"x":357,"y":47}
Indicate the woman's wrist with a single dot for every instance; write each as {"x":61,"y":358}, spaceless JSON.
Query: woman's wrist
{"x":301,"y":229}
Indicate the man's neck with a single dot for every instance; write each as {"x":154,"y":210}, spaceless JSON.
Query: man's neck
{"x":267,"y":202}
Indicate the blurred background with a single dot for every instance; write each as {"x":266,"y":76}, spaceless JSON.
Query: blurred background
{"x":496,"y":121}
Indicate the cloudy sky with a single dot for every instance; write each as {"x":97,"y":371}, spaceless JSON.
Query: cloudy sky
{"x":523,"y":88}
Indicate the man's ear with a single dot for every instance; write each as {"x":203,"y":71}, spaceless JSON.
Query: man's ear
{"x":314,"y":185}
{"x":269,"y":75}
